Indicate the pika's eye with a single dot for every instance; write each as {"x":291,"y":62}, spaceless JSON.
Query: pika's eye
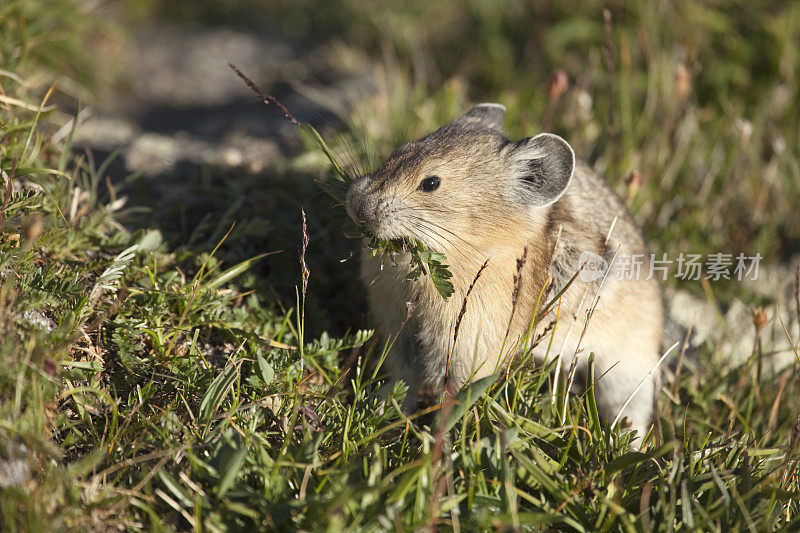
{"x":431,"y":183}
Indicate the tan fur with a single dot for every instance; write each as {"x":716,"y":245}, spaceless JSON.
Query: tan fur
{"x":477,"y":215}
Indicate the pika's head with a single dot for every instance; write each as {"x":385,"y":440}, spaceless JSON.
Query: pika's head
{"x":463,"y":184}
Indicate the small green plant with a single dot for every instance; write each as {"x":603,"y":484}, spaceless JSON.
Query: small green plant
{"x":424,"y":262}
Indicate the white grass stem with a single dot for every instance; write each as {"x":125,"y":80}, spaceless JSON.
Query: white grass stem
{"x":641,"y":384}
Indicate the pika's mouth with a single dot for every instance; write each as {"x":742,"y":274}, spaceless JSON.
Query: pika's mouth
{"x":395,"y":246}
{"x":375,"y":232}
{"x":369,"y":225}
{"x":375,"y":219}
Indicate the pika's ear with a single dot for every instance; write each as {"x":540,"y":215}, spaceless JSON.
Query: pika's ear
{"x":488,"y":115}
{"x":542,"y":168}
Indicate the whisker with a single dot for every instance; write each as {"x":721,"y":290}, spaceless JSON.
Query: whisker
{"x":438,"y":239}
{"x":452,"y":249}
{"x":432,"y":226}
{"x":414,"y":233}
{"x":450,"y":232}
{"x":438,"y":226}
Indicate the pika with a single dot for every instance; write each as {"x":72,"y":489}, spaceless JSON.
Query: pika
{"x":532,"y":213}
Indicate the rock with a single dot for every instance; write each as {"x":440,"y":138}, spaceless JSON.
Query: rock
{"x":105,"y":132}
{"x":733,"y":334}
{"x":185,"y":108}
{"x":182,"y":67}
{"x":38,"y":320}
{"x":15,"y":470}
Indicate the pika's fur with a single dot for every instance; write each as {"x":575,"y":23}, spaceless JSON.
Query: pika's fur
{"x":470,"y":193}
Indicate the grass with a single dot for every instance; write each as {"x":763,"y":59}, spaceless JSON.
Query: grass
{"x":150,"y":379}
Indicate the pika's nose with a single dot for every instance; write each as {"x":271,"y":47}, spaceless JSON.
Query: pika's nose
{"x":358,"y":202}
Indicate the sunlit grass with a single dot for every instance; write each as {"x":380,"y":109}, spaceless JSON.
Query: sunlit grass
{"x":157,"y":385}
